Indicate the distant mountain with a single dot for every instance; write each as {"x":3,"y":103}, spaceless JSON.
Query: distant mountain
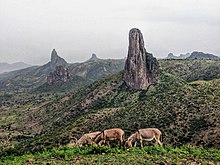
{"x":201,"y":55}
{"x":181,"y":56}
{"x":96,"y":68}
{"x":94,"y":58}
{"x":5,"y":67}
{"x":193,"y":55}
{"x":35,"y":76}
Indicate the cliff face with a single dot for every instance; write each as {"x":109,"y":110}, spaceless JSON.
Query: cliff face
{"x":60,"y":74}
{"x":141,"y":68}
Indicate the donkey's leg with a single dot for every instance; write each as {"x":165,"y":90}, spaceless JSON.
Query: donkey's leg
{"x":157,"y":138}
{"x":135,"y":143}
{"x":121,"y":140}
{"x":141,"y":141}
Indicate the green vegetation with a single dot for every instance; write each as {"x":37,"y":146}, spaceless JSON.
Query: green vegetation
{"x":74,"y":83}
{"x":192,"y":70}
{"x":184,"y":105}
{"x":183,"y":112}
{"x":105,"y":155}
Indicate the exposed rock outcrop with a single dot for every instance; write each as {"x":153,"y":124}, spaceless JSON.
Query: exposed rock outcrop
{"x":59,"y":69}
{"x":60,"y":74}
{"x":94,"y":57}
{"x":171,"y":56}
{"x":141,"y":68}
{"x":90,"y":70}
{"x":56,"y":60}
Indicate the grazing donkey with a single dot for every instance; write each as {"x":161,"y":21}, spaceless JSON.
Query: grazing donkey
{"x":110,"y":135}
{"x":147,"y":134}
{"x":86,"y":139}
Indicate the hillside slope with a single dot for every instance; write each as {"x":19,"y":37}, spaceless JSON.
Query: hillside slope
{"x":192,"y":70}
{"x":201,"y":55}
{"x":36,"y":76}
{"x":5,"y":67}
{"x":91,"y":70}
{"x":186,"y":112}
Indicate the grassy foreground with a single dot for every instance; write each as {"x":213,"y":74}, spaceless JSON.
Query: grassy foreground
{"x":105,"y":155}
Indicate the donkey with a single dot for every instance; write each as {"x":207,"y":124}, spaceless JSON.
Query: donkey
{"x":110,"y":135}
{"x":86,"y":139}
{"x":147,"y":134}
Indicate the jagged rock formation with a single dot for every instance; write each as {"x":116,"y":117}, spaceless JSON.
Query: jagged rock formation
{"x":171,"y":56}
{"x":60,"y":74}
{"x":90,"y":70}
{"x":56,"y":60}
{"x":95,"y":68}
{"x":141,"y":68}
{"x":94,"y":57}
{"x":193,"y":55}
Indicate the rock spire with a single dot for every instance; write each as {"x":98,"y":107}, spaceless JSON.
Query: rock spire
{"x":56,"y":60}
{"x":141,"y":68}
{"x":58,"y":67}
{"x":94,"y":57}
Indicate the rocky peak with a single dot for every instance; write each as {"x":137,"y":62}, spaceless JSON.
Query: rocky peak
{"x":185,"y":55}
{"x":170,"y":55}
{"x":94,"y":57}
{"x":59,"y":74}
{"x":56,"y":60}
{"x":141,"y":68}
{"x":54,"y":55}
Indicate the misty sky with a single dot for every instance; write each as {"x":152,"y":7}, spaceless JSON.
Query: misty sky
{"x":30,"y":29}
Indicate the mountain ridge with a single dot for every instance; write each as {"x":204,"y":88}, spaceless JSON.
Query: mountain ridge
{"x":6,"y":67}
{"x":193,"y":55}
{"x":91,"y":70}
{"x":201,"y":55}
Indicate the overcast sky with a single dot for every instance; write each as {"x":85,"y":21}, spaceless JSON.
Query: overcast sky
{"x":30,"y":29}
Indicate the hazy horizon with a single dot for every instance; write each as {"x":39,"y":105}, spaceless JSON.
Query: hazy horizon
{"x":76,"y":29}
